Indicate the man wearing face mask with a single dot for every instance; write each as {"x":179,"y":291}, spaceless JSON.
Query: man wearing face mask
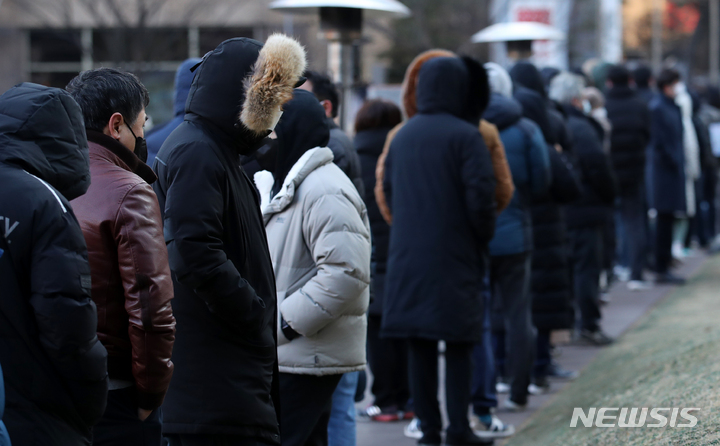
{"x":131,"y":283}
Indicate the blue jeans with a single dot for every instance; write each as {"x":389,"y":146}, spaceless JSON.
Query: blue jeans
{"x":341,"y":429}
{"x":483,"y":386}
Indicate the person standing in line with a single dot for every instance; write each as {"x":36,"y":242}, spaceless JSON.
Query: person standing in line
{"x":440,"y":187}
{"x":510,"y":248}
{"x":131,"y":285}
{"x":387,"y":358}
{"x":587,"y":217}
{"x":225,"y":388}
{"x":346,"y":157}
{"x":319,"y":238}
{"x":55,"y":367}
{"x":157,"y":136}
{"x":630,"y":118}
{"x":667,"y":171}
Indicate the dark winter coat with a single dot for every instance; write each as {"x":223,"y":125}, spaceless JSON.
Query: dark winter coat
{"x":527,"y":155}
{"x":4,"y":437}
{"x":55,"y":367}
{"x":646,"y":94}
{"x":630,"y":119}
{"x":225,"y":302}
{"x":440,"y":185}
{"x":598,"y":179}
{"x":551,"y":285}
{"x":345,"y":156}
{"x":369,"y":145}
{"x":157,"y":136}
{"x":529,"y":90}
{"x":666,"y":157}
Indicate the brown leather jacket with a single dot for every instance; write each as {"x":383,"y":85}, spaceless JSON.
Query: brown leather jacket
{"x":131,"y":283}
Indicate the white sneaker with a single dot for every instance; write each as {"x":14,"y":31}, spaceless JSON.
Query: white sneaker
{"x":413,"y":430}
{"x":502,"y":387}
{"x":622,"y":273}
{"x":534,"y":389}
{"x":639,"y":285}
{"x":678,"y":251}
{"x":496,"y":429}
{"x":512,"y":406}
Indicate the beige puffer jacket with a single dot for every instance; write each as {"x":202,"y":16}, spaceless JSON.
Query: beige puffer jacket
{"x":319,"y":238}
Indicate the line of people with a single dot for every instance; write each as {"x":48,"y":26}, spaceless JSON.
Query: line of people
{"x":228,"y":294}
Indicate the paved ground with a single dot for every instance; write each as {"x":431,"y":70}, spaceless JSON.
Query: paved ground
{"x":622,"y":313}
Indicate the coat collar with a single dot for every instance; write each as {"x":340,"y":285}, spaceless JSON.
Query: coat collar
{"x":310,"y":161}
{"x":119,"y":155}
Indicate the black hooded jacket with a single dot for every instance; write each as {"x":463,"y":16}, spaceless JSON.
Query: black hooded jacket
{"x":302,"y":127}
{"x":440,"y":185}
{"x":55,"y":367}
{"x":225,"y":303}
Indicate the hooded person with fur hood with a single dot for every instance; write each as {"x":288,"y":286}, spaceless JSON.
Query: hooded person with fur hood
{"x":440,"y":185}
{"x":225,"y":386}
{"x":504,"y":189}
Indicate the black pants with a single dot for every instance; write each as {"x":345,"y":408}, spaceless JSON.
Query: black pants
{"x":120,"y":425}
{"x":587,"y":263}
{"x":543,"y":357}
{"x":510,"y":285}
{"x":632,"y":210}
{"x":388,"y":360}
{"x":32,"y":426}
{"x":305,"y":405}
{"x":663,"y":241}
{"x":424,"y":385}
{"x":212,"y":440}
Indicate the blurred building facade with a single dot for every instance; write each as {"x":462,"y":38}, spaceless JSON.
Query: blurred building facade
{"x":50,"y":41}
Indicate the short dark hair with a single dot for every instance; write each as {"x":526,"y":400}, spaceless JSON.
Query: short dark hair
{"x":104,"y":91}
{"x":619,"y":75}
{"x":642,"y":76}
{"x":668,"y":76}
{"x":324,"y":89}
{"x":377,"y":113}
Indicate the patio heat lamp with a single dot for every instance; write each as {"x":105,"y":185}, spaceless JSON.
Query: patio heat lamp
{"x":341,"y":25}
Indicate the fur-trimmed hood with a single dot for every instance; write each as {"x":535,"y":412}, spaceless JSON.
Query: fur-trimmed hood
{"x":478,"y":89}
{"x":241,"y":86}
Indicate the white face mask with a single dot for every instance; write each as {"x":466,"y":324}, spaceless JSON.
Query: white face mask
{"x":587,"y":108}
{"x":679,"y":88}
{"x":276,"y":119}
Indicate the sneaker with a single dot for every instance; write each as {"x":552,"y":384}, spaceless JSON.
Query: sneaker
{"x":512,"y":406}
{"x":502,"y":387}
{"x":387,"y":415}
{"x":669,"y":279}
{"x":622,"y":273}
{"x":469,"y":439}
{"x":597,"y":338}
{"x":639,"y":285}
{"x":604,"y":298}
{"x":496,"y":428}
{"x":555,"y":371}
{"x":413,"y":430}
{"x":540,"y":386}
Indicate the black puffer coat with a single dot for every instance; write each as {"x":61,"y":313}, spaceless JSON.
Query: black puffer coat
{"x":369,"y":145}
{"x":598,"y":178}
{"x":440,"y":185}
{"x":225,"y":298}
{"x":55,"y":367}
{"x":630,"y":119}
{"x":551,"y":285}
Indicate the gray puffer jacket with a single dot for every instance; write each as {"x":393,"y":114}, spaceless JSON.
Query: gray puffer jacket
{"x":319,"y":238}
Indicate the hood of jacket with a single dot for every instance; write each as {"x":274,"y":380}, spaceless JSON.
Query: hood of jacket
{"x":240,"y":87}
{"x":43,"y":132}
{"x":183,"y":81}
{"x":409,"y":85}
{"x":527,"y":75}
{"x":443,"y":86}
{"x":302,"y":127}
{"x":308,"y":162}
{"x":503,"y":111}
